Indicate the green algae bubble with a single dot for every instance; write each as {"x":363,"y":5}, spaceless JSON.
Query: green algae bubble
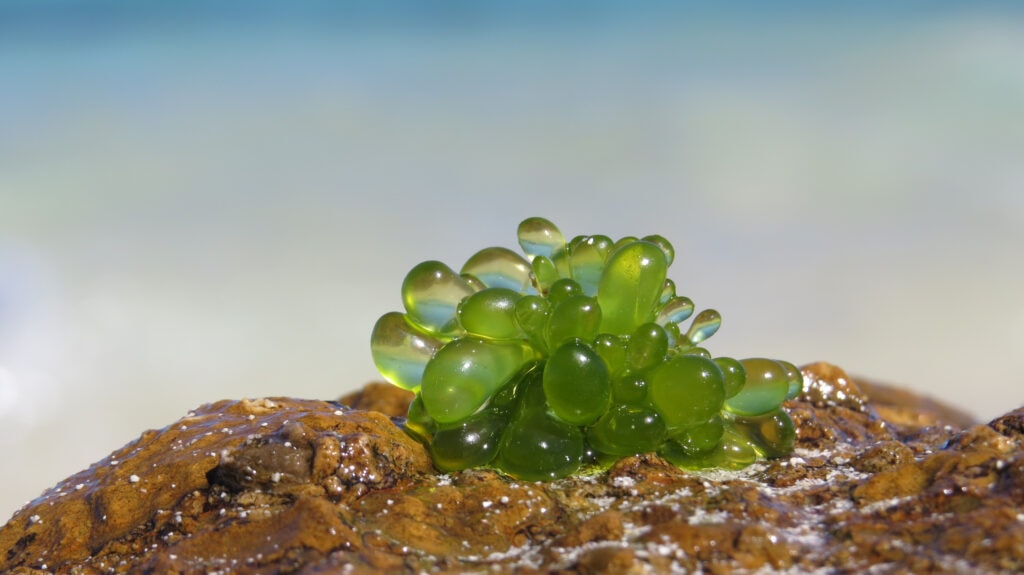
{"x":490,"y":313}
{"x":702,"y":438}
{"x":704,"y":326}
{"x":544,"y":274}
{"x":612,"y":350}
{"x":418,"y":422}
{"x":575,"y":317}
{"x":500,"y":267}
{"x":674,"y":310}
{"x":532,"y":313}
{"x":401,"y":350}
{"x":540,"y":237}
{"x":646,"y":347}
{"x":664,"y":244}
{"x":562,"y":289}
{"x":471,"y":443}
{"x":431,"y":293}
{"x":686,"y":390}
{"x":464,"y":374}
{"x":794,"y":377}
{"x":735,"y":375}
{"x":627,"y":430}
{"x":765,"y":388}
{"x":631,"y":286}
{"x":576,"y":383}
{"x":630,"y":388}
{"x":587,"y":260}
{"x":733,"y":451}
{"x":772,"y":433}
{"x":537,"y":447}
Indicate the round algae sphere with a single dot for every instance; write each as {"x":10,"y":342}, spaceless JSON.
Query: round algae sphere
{"x":472,"y":443}
{"x":464,"y":374}
{"x":576,"y":383}
{"x":537,"y":447}
{"x":627,"y":430}
{"x":765,"y":389}
{"x":490,"y":313}
{"x":686,"y":390}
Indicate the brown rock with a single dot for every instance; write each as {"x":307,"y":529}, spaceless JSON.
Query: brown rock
{"x":880,"y":480}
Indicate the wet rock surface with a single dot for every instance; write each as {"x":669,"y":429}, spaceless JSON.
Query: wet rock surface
{"x":881,"y":481}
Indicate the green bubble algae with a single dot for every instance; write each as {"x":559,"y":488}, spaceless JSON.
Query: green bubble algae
{"x":571,"y":356}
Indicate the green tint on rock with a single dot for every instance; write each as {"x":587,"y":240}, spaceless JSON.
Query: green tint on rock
{"x":765,"y":388}
{"x":490,"y":313}
{"x":630,"y":286}
{"x":464,"y":374}
{"x":575,"y":353}
{"x":576,"y":383}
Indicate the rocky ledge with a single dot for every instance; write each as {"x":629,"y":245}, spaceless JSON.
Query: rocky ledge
{"x":881,"y":481}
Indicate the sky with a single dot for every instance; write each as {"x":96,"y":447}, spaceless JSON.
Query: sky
{"x":217,"y":200}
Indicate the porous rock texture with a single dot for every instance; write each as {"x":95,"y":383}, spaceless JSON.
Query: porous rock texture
{"x":881,"y":481}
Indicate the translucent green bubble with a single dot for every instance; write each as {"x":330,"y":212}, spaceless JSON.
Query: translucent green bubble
{"x":704,"y":326}
{"x":612,"y":350}
{"x":500,"y":267}
{"x":631,"y":286}
{"x":540,"y":237}
{"x":532,"y":313}
{"x":735,"y":375}
{"x":471,"y":443}
{"x":575,"y":317}
{"x":418,"y":422}
{"x":544,"y":274}
{"x":576,"y":383}
{"x":491,"y":314}
{"x":773,"y":434}
{"x":794,"y":377}
{"x":686,"y":390}
{"x":537,"y":447}
{"x":587,"y":259}
{"x":562,"y":289}
{"x":668,"y":291}
{"x":627,"y":430}
{"x":664,"y":244}
{"x":630,"y":388}
{"x":401,"y":351}
{"x":473,"y":282}
{"x":646,"y":347}
{"x":765,"y":388}
{"x":674,"y":310}
{"x":431,"y":293}
{"x":732,"y":452}
{"x":463,"y":375}
{"x":702,"y":438}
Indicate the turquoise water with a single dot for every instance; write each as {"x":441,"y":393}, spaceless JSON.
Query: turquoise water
{"x":201,"y":201}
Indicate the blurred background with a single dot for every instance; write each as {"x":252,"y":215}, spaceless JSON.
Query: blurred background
{"x":217,"y":200}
